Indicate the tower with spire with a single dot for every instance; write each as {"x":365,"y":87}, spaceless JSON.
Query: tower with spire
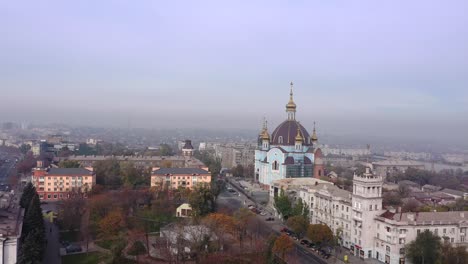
{"x":289,"y":151}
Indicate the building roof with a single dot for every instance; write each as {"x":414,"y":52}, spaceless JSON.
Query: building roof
{"x":453,"y":192}
{"x":68,"y":171}
{"x":397,"y":163}
{"x":289,"y":160}
{"x":298,"y":182}
{"x":428,"y":217}
{"x":288,"y":131}
{"x":164,"y":171}
{"x":188,"y":144}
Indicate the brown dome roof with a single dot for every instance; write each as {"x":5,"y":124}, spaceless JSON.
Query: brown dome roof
{"x":288,"y":131}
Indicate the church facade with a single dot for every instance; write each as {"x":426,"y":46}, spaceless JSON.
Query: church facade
{"x":289,"y":152}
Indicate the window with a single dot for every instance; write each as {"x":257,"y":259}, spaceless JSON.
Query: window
{"x":376,"y":207}
{"x":387,"y":248}
{"x":55,"y":196}
{"x":436,"y":232}
{"x":275,"y":166}
{"x":419,"y":231}
{"x":452,"y":240}
{"x":444,"y":230}
{"x":402,"y":241}
{"x":48,"y":196}
{"x":280,"y":139}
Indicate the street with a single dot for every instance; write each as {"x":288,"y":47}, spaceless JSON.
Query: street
{"x":233,"y":202}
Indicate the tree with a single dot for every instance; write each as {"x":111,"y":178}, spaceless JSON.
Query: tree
{"x":33,"y":218}
{"x":165,"y":150}
{"x":24,"y":149}
{"x":319,"y":234}
{"x":111,"y":224}
{"x":69,"y":164}
{"x":453,"y":255}
{"x":300,"y":208}
{"x":108,"y":173}
{"x":270,"y":257}
{"x":283,"y":204}
{"x":238,"y":171}
{"x":30,"y":251}
{"x":130,"y":174}
{"x":28,"y":193}
{"x":70,"y":212}
{"x":137,"y":249}
{"x":424,"y":249}
{"x":242,"y":218}
{"x":298,"y":224}
{"x":282,"y":245}
{"x":202,"y":201}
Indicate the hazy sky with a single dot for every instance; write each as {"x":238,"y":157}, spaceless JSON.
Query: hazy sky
{"x":379,"y":67}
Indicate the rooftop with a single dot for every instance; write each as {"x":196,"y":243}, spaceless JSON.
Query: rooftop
{"x":428,"y":217}
{"x":298,"y":182}
{"x":68,"y":171}
{"x":164,"y":171}
{"x":397,"y":163}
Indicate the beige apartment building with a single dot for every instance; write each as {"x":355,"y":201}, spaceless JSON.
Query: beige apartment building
{"x":62,"y":183}
{"x":174,"y":178}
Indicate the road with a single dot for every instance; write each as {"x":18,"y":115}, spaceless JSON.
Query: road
{"x":232,"y":202}
{"x":6,"y":168}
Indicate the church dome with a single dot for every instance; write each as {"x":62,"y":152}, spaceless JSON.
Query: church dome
{"x":285,"y":134}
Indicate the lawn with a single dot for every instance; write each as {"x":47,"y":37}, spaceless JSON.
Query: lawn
{"x":107,"y":244}
{"x":70,"y":236}
{"x":84,"y":258}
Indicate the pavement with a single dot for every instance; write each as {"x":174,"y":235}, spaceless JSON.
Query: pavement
{"x":52,"y":253}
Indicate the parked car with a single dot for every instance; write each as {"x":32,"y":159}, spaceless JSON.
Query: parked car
{"x":250,"y":206}
{"x":262,"y":213}
{"x":73,"y":248}
{"x":270,"y":219}
{"x":305,"y":242}
{"x":65,"y":243}
{"x":284,"y":229}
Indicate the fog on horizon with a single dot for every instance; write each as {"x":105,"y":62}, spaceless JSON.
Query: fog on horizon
{"x":397,"y":69}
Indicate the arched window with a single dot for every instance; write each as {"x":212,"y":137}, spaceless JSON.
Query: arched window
{"x":280,"y":139}
{"x":275,"y":165}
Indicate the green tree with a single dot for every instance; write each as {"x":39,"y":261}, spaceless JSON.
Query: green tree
{"x":69,"y":164}
{"x":202,"y":201}
{"x":298,"y":224}
{"x":165,"y":150}
{"x":28,"y":193}
{"x":33,"y":218}
{"x":300,"y":208}
{"x":283,"y":204}
{"x":130,"y":174}
{"x":30,"y":251}
{"x":137,"y":249}
{"x":424,"y":249}
{"x":24,"y":148}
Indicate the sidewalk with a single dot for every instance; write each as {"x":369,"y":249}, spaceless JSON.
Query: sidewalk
{"x":341,"y":252}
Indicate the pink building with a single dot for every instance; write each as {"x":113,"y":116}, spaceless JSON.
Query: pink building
{"x":174,"y":178}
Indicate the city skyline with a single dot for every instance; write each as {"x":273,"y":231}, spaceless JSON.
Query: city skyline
{"x":394,"y":70}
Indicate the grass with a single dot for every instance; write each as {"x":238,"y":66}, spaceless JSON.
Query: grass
{"x":89,"y":258}
{"x":71,"y":236}
{"x":107,"y":244}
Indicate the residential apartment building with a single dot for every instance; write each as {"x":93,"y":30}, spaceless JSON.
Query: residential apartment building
{"x":174,"y":178}
{"x":145,"y":161}
{"x":364,"y":227}
{"x":62,"y":183}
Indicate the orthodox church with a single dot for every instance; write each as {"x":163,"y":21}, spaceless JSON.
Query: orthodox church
{"x":289,"y":152}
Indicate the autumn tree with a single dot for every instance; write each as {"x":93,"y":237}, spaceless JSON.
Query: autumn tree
{"x":282,"y":245}
{"x":108,"y":173}
{"x":453,"y":255}
{"x":298,"y":224}
{"x":111,"y":224}
{"x":319,"y":234}
{"x":70,"y":212}
{"x":242,"y":218}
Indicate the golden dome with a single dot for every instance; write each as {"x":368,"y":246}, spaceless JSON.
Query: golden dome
{"x":291,"y":106}
{"x":298,"y":136}
{"x":314,"y":135}
{"x":265,"y":135}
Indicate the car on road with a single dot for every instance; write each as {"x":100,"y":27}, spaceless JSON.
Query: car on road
{"x":284,"y":229}
{"x":262,"y":213}
{"x":305,"y":242}
{"x":270,"y":219}
{"x":250,"y":206}
{"x":73,"y":248}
